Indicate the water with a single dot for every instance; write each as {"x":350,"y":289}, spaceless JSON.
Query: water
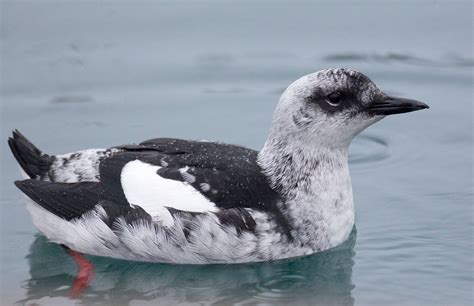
{"x":95,"y":74}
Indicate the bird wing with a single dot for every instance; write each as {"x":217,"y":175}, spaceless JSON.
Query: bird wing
{"x":189,"y":175}
{"x":192,"y":177}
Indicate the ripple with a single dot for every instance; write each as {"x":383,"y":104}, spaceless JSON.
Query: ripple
{"x":390,"y":57}
{"x":206,"y":279}
{"x":367,"y":149}
{"x":231,"y":90}
{"x":283,"y":285}
{"x":376,"y":57}
{"x":211,"y":61}
{"x":71,"y":99}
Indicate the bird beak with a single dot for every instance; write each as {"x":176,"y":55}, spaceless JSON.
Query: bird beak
{"x":395,"y":105}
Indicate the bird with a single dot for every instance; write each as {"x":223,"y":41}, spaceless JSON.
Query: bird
{"x":181,"y":201}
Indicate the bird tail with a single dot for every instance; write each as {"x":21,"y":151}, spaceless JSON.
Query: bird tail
{"x":31,"y":159}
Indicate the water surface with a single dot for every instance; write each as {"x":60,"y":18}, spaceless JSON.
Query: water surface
{"x":95,"y":74}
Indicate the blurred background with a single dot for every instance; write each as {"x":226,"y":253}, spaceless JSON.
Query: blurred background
{"x":84,"y":74}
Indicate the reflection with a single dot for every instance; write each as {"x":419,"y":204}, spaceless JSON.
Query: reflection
{"x":320,"y":279}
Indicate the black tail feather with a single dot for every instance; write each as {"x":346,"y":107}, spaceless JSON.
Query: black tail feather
{"x":31,"y":159}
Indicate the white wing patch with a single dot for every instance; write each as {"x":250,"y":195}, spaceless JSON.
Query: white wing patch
{"x":142,"y":186}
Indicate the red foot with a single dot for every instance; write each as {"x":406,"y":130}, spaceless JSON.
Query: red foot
{"x":85,"y":273}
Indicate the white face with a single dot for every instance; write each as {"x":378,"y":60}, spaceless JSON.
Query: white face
{"x":326,"y":108}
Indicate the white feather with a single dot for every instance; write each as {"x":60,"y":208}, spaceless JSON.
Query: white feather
{"x":86,"y":234}
{"x":189,"y":178}
{"x":205,"y":187}
{"x":142,"y":186}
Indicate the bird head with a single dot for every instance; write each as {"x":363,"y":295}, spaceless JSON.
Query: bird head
{"x":330,"y":107}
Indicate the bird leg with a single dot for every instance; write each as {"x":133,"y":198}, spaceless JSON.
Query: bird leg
{"x":85,"y":272}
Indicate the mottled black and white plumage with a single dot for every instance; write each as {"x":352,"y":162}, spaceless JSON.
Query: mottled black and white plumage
{"x":179,"y":201}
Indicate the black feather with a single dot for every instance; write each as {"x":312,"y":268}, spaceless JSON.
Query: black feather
{"x":130,"y":214}
{"x":31,"y":159}
{"x":65,"y":200}
{"x":237,"y":217}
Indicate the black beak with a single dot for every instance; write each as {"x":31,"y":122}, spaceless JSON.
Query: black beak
{"x":394,"y":105}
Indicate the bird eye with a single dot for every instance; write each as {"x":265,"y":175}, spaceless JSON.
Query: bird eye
{"x":334,"y":98}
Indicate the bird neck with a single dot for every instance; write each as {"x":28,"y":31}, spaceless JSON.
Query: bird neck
{"x":292,"y":165}
{"x":315,"y":187}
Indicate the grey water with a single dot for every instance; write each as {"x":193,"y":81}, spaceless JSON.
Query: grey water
{"x":85,"y":74}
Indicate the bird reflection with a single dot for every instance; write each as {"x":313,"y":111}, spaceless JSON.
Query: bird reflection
{"x":320,"y":279}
